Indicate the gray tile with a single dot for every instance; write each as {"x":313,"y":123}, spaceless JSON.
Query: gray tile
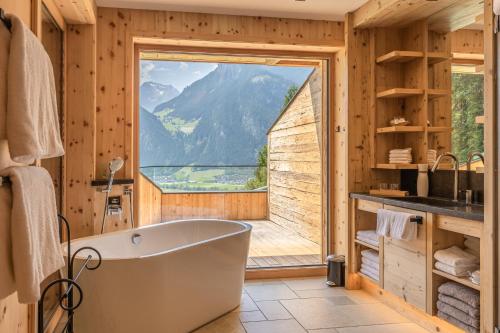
{"x":361,"y":297}
{"x":274,"y":326}
{"x":270,"y":292}
{"x":273,"y":310}
{"x":330,"y":292}
{"x":316,"y":313}
{"x":306,"y":283}
{"x":247,"y":304}
{"x":323,"y":330}
{"x":251,"y":316}
{"x":391,"y":328}
{"x":229,"y":323}
{"x":340,"y":300}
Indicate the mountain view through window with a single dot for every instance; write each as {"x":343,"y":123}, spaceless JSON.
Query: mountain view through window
{"x":203,"y":126}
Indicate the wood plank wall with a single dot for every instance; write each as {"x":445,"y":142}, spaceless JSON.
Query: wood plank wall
{"x":467,"y":41}
{"x":150,"y":206}
{"x":294,"y":162}
{"x":228,"y":206}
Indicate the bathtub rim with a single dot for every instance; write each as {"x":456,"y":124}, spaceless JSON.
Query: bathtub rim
{"x":246,"y":228}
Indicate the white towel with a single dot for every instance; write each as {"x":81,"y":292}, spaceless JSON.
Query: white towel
{"x":472,"y":245}
{"x":459,"y":271}
{"x":383,"y":222}
{"x":455,"y":256}
{"x":32,"y":122}
{"x":404,"y":150}
{"x":368,"y":236}
{"x":402,"y":228}
{"x":369,"y":272}
{"x":475,"y":277}
{"x":370,"y":263}
{"x":370,"y":254}
{"x":36,"y":252}
{"x":367,"y":240}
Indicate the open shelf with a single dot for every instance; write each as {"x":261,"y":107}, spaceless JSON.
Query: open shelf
{"x":435,"y":93}
{"x":360,"y":242}
{"x":461,"y":280}
{"x":468,"y":58}
{"x":438,"y":129}
{"x":480,"y":120}
{"x":393,"y":166}
{"x":400,"y":92}
{"x":399,"y":56}
{"x":400,"y":129}
{"x":437,"y":57}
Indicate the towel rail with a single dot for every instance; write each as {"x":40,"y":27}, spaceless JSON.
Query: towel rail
{"x":67,"y":300}
{"x":4,"y":181}
{"x":5,"y":20}
{"x":417,"y":219}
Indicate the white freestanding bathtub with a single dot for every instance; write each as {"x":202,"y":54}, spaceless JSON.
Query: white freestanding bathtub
{"x":179,"y":276}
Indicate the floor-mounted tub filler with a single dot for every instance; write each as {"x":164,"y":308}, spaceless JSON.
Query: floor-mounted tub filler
{"x":171,"y":277}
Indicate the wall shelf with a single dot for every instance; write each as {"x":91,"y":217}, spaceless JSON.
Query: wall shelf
{"x":399,"y":56}
{"x":438,"y":129}
{"x":436,"y":93}
{"x":359,"y":242}
{"x":400,"y":129}
{"x":400,"y":92}
{"x":399,"y":166}
{"x":461,"y":280}
{"x":437,"y":57}
{"x":468,"y":58}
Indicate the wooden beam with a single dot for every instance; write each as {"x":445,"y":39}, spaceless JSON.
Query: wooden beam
{"x":457,"y":16}
{"x":77,"y":11}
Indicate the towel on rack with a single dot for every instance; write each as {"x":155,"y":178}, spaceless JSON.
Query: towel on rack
{"x":36,"y":252}
{"x":459,"y":271}
{"x":383,"y":222}
{"x":461,"y":292}
{"x":7,"y":282}
{"x":32,"y":121}
{"x":456,"y":303}
{"x":456,"y":322}
{"x":455,"y":256}
{"x":397,"y":225}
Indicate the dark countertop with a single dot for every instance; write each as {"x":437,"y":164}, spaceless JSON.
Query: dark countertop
{"x":472,"y":212}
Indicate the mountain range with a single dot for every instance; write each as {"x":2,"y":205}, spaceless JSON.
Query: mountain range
{"x":221,"y":119}
{"x":153,"y":93}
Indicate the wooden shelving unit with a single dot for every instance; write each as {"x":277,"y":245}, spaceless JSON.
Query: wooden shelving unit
{"x":412,"y":79}
{"x":400,"y":56}
{"x":461,"y":280}
{"x":370,"y":246}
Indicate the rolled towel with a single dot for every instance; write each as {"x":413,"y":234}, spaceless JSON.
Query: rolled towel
{"x":450,"y":319}
{"x":455,"y":256}
{"x":370,"y":254}
{"x":457,"y":314}
{"x":461,"y":292}
{"x":459,"y":271}
{"x":456,"y":303}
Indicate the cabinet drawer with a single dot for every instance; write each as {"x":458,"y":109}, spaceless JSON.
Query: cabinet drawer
{"x":369,"y":206}
{"x":405,"y":265}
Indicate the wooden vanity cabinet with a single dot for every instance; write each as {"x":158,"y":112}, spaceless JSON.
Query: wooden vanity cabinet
{"x":405,"y":264}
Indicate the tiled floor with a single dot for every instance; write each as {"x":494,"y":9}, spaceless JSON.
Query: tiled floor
{"x":272,"y":245}
{"x":308,"y":306}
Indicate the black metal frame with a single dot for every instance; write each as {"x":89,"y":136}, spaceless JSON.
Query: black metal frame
{"x":67,"y":302}
{"x":417,"y":219}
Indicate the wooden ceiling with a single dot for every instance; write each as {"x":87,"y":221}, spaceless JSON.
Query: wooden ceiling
{"x":443,"y":15}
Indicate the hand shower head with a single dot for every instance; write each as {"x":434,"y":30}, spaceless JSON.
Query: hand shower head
{"x":115,"y":165}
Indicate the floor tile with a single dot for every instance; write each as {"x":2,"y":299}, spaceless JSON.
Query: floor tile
{"x":306,"y":283}
{"x":270,"y":292}
{"x":251,"y":316}
{"x":392,"y":328}
{"x":330,"y":292}
{"x":316,"y":313}
{"x":340,"y":300}
{"x":274,"y":326}
{"x":262,"y":282}
{"x":361,"y":297}
{"x":229,"y":323}
{"x":273,"y":310}
{"x":247,"y":304}
{"x":324,"y":330}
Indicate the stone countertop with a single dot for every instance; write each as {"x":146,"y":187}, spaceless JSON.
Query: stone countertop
{"x":469,"y":212}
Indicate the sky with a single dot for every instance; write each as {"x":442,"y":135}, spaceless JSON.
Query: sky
{"x":178,"y":74}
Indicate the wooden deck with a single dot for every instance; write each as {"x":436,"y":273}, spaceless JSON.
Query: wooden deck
{"x":272,"y":245}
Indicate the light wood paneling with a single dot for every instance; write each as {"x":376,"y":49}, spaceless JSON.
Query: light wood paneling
{"x":117,"y":29}
{"x":467,"y":41}
{"x":294,"y":163}
{"x":149,"y":202}
{"x":77,"y":11}
{"x":231,"y":206}
{"x":80,"y":128}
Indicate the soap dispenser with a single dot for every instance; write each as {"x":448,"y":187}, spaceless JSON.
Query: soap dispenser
{"x":423,"y":180}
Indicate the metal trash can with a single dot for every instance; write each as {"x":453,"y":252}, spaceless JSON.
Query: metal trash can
{"x":336,"y":270}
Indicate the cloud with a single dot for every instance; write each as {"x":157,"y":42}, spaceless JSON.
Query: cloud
{"x":146,"y":69}
{"x":197,"y":73}
{"x":183,"y":66}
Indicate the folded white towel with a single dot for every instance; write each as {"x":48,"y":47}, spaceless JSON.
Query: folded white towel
{"x":369,"y":272}
{"x":367,"y":240}
{"x":404,"y":150}
{"x":459,"y":271}
{"x":475,"y":277}
{"x":36,"y":252}
{"x":368,"y":234}
{"x":370,"y":263}
{"x":32,"y":121}
{"x":396,"y":154}
{"x":370,"y":254}
{"x":455,"y":256}
{"x":402,"y":228}
{"x":391,"y":161}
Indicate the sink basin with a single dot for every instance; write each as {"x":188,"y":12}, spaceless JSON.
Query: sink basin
{"x":433,"y":201}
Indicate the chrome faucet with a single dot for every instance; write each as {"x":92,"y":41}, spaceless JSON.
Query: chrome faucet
{"x":468,"y":191}
{"x":455,"y":167}
{"x":471,"y":155}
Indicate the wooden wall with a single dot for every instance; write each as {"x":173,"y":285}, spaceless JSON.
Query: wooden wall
{"x":467,"y":41}
{"x":229,"y":206}
{"x":295,"y":160}
{"x":150,"y":198}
